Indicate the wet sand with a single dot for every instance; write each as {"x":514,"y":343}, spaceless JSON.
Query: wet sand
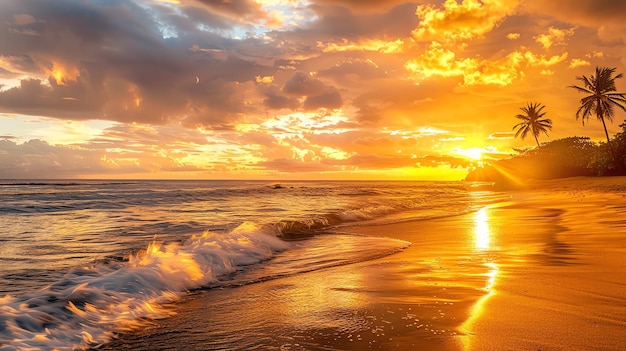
{"x":545,"y":271}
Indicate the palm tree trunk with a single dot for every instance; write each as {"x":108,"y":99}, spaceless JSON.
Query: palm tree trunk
{"x":536,"y":140}
{"x":618,"y":166}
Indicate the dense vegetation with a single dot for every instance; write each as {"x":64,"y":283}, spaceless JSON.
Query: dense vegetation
{"x":567,"y":157}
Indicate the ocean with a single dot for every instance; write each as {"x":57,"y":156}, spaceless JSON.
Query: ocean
{"x":83,"y":261}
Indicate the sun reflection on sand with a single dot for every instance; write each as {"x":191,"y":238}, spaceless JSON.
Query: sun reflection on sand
{"x":482,"y":242}
{"x":481,"y":230}
{"x":320,"y":304}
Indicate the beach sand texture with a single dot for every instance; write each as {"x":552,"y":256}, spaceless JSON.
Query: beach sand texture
{"x":543,"y":271}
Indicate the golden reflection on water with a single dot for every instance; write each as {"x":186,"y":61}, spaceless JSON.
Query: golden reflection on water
{"x":482,"y":233}
{"x":482,"y":242}
{"x":317,"y":303}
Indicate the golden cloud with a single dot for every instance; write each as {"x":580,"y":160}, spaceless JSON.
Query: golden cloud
{"x":61,"y":73}
{"x":382,"y":46}
{"x":264,"y":79}
{"x":578,"y":63}
{"x":513,"y":36}
{"x":554,"y":36}
{"x":595,"y":54}
{"x":440,"y":61}
{"x":460,"y":22}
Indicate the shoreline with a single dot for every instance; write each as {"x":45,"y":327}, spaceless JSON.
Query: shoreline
{"x":537,"y":272}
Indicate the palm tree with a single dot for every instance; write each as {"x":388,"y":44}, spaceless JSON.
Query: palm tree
{"x":601,"y":99}
{"x":532,"y":121}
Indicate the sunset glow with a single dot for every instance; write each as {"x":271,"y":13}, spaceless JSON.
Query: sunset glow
{"x":306,"y":89}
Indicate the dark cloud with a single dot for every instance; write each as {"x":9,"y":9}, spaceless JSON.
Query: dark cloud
{"x":339,"y":22}
{"x":318,"y":94}
{"x":35,"y":158}
{"x":33,"y":97}
{"x":115,"y":61}
{"x":607,"y":16}
{"x":586,"y":12}
{"x":124,"y":62}
{"x":303,"y":84}
{"x":331,"y":99}
{"x":277,"y":102}
{"x":238,"y":10}
{"x":365,"y":5}
{"x":354,"y":69}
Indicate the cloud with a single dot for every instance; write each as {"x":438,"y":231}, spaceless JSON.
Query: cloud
{"x":114,"y":62}
{"x":443,"y":62}
{"x":211,"y":87}
{"x":357,"y":69}
{"x":463,"y":42}
{"x":344,"y":22}
{"x":318,"y":94}
{"x":605,"y":15}
{"x":513,"y":36}
{"x":286,"y":165}
{"x":384,"y":46}
{"x":554,"y":36}
{"x":35,"y":158}
{"x":463,"y":21}
{"x":159,"y":63}
{"x":362,"y":5}
{"x":34,"y":97}
{"x":276,"y":101}
{"x":237,"y":10}
{"x":330,"y":100}
{"x":578,"y":63}
{"x":302,"y":83}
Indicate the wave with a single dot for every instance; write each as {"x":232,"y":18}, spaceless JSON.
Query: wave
{"x":404,"y":210}
{"x":63,"y":183}
{"x":90,"y":304}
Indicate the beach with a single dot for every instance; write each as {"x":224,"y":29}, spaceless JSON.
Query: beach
{"x":544,"y":270}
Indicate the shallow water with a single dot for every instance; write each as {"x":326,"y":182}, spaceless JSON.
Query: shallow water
{"x":83,"y":260}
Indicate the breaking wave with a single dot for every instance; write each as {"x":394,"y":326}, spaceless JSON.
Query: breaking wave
{"x":91,"y":304}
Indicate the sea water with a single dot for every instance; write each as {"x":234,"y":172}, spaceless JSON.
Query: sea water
{"x":81,"y":261}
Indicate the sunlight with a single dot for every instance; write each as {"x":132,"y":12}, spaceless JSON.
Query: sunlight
{"x":377,"y":45}
{"x":299,"y":123}
{"x":61,"y":73}
{"x":64,"y":132}
{"x":477,"y":309}
{"x":481,"y":229}
{"x":474,"y":153}
{"x":482,"y":239}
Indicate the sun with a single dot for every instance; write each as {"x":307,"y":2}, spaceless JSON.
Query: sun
{"x":474,"y":153}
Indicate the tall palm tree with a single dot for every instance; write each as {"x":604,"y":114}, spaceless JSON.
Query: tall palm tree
{"x":601,"y":99}
{"x":532,"y":121}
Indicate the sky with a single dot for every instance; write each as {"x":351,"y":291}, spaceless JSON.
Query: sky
{"x":291,"y":89}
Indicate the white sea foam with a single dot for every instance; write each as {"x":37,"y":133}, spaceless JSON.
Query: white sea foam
{"x":90,"y":304}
